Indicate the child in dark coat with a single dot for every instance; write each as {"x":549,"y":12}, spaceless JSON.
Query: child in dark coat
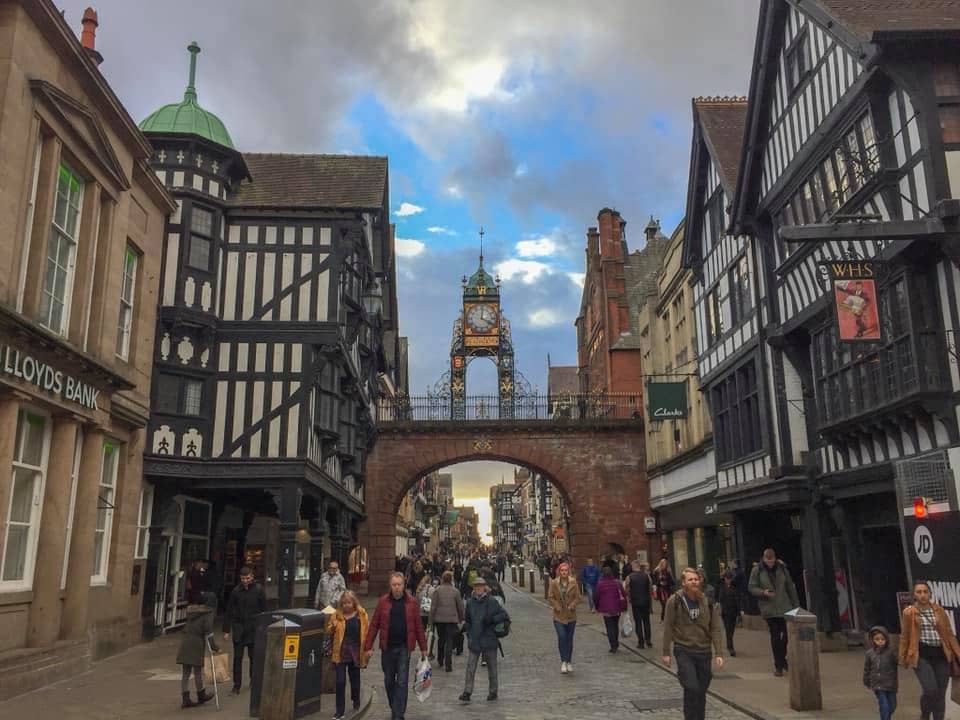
{"x":193,"y":646}
{"x":880,"y":671}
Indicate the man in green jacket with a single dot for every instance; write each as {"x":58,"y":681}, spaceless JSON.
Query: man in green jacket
{"x":771,"y":584}
{"x":692,"y":626}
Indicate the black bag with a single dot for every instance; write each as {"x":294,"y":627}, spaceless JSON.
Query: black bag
{"x":458,"y":643}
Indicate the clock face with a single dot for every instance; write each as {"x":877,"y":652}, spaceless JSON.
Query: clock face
{"x":482,"y":318}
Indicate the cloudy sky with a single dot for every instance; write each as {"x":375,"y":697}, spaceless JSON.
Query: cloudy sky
{"x":525,"y":118}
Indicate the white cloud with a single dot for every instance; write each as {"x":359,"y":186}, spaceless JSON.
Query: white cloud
{"x":521,"y":170}
{"x":454,"y":191}
{"x":440,"y":230}
{"x":406,"y":247}
{"x":545,"y":317}
{"x":540,"y":247}
{"x":528,"y":271}
{"x":577,"y":278}
{"x":408,"y":209}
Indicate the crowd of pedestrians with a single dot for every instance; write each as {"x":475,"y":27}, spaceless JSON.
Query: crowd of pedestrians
{"x":459,"y":602}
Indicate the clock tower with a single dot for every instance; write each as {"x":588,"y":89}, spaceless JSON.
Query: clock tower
{"x":481,"y":330}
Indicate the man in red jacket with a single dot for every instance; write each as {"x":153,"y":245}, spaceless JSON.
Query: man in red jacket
{"x":397,"y":620}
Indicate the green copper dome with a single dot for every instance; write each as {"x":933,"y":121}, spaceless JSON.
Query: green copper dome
{"x":187,"y":116}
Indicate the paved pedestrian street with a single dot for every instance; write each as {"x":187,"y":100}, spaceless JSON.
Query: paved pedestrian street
{"x":602,"y":686}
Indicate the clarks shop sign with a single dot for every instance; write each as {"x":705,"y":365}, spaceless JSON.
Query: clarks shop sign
{"x":667,"y":400}
{"x":46,"y":377}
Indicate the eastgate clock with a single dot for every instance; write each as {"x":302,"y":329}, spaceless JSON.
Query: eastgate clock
{"x":482,"y":319}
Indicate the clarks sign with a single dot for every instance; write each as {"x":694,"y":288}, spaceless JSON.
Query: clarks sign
{"x":46,"y":377}
{"x":667,"y":401}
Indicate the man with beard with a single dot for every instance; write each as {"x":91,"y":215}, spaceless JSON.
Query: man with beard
{"x":692,"y":627}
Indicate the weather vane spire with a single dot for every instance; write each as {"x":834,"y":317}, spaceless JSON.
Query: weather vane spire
{"x":481,"y":245}
{"x":191,"y":92}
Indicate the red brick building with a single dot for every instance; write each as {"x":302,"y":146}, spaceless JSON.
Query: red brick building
{"x":616,"y":283}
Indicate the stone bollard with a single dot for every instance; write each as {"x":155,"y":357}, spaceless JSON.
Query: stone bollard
{"x":546,"y":586}
{"x":803,"y":658}
{"x":522,"y":576}
{"x":513,"y":574}
{"x":282,"y":649}
{"x":533,"y":582}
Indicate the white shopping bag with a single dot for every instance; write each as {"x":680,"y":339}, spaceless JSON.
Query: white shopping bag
{"x":423,"y":684}
{"x":626,"y":628}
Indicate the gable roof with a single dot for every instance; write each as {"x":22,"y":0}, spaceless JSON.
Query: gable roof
{"x":723,"y":120}
{"x":563,"y":379}
{"x":313,"y":181}
{"x":640,"y":273}
{"x":871,"y":20}
{"x":718,"y":128}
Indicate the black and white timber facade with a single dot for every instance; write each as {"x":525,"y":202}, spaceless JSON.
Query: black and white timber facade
{"x":852,"y":145}
{"x":277,"y":331}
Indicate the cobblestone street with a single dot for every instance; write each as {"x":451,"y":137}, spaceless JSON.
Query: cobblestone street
{"x":602,"y":686}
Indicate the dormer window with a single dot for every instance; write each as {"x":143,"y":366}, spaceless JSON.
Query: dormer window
{"x":797,"y":61}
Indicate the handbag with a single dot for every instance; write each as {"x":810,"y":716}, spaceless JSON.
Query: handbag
{"x":219,"y":663}
{"x":955,"y":670}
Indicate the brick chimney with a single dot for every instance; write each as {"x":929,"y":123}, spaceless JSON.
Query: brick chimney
{"x":88,"y":36}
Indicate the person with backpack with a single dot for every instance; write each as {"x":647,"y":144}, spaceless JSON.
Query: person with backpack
{"x":771,"y":584}
{"x":611,"y":602}
{"x":639,"y":587}
{"x":691,"y":628}
{"x":446,"y":614}
{"x":485,"y":623}
{"x":564,"y":596}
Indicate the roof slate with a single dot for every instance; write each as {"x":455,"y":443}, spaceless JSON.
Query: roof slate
{"x":562,"y":379}
{"x":640,"y":277}
{"x":313,"y":181}
{"x":869,"y":17}
{"x":723,"y":123}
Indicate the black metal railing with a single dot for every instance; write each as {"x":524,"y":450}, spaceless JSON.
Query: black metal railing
{"x":565,"y":408}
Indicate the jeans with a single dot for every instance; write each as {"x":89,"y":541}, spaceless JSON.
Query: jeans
{"x":730,"y":625}
{"x":641,"y":625}
{"x":887,"y":700}
{"x":694,"y":674}
{"x":396,"y":676}
{"x":238,"y":662}
{"x":591,"y":589}
{"x":197,"y":671}
{"x":490,"y":658}
{"x":565,"y":639}
{"x":612,"y":625}
{"x":445,"y":632}
{"x":343,"y":669}
{"x":778,"y":641}
{"x":933,"y":674}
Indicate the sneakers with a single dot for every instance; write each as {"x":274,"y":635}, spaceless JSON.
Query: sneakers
{"x":569,"y":667}
{"x":464,"y":697}
{"x":563,"y":668}
{"x":338,"y":717}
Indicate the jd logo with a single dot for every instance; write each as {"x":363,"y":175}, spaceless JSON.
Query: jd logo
{"x":923,"y":544}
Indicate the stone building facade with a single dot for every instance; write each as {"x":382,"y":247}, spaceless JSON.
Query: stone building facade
{"x":84,"y":218}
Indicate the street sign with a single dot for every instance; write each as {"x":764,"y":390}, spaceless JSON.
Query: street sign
{"x":667,"y":400}
{"x":853,"y":284}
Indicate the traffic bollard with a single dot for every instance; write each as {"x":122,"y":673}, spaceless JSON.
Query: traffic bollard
{"x":522,"y":575}
{"x":803,"y":659}
{"x":533,"y":583}
{"x":513,"y":574}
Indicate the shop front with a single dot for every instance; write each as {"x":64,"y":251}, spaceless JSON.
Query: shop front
{"x":698,"y":536}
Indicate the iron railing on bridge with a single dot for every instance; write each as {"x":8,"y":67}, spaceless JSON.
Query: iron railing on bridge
{"x":565,"y":408}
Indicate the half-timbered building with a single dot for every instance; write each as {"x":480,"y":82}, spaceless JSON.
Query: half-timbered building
{"x":277,"y":330}
{"x":729,"y":300}
{"x":852,"y":153}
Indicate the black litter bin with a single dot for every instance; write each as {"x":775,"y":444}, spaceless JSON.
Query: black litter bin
{"x":308,"y":687}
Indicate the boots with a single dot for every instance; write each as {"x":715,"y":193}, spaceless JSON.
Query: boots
{"x":187,"y":702}
{"x":203,"y":696}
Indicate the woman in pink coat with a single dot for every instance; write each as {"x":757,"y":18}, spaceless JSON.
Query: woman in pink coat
{"x":611,"y":600}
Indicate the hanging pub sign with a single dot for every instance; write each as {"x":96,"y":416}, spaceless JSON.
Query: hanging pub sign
{"x":853,"y":284}
{"x":667,"y":400}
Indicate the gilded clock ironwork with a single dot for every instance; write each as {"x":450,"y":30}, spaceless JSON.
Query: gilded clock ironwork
{"x":482,"y":318}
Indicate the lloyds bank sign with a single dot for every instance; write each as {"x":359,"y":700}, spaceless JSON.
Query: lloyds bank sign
{"x":45,"y":377}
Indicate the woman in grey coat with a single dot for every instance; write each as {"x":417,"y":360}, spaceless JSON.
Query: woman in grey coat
{"x":193,"y":646}
{"x":446,"y":614}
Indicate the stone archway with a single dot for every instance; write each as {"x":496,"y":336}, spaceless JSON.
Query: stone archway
{"x":599,"y":469}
